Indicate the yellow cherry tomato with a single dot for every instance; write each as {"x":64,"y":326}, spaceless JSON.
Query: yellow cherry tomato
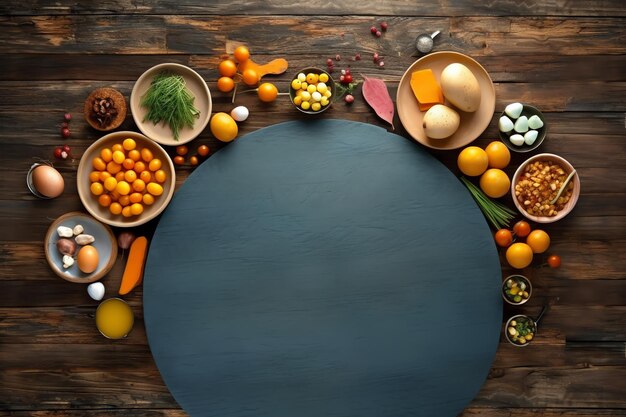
{"x":118,"y":157}
{"x":104,"y":175}
{"x":519,"y":255}
{"x":104,"y":200}
{"x":106,"y":154}
{"x":126,"y":212}
{"x":139,"y":185}
{"x":242,"y":53}
{"x":154,"y":189}
{"x":139,"y":167}
{"x":498,"y":155}
{"x":227,"y":68}
{"x":225,"y":84}
{"x":323,"y":77}
{"x":136,"y":209}
{"x":155,"y":164}
{"x":538,"y":240}
{"x":135,"y":155}
{"x":311,"y":78}
{"x":296,"y":84}
{"x":146,"y":155}
{"x":129,"y":144}
{"x":495,"y":183}
{"x":305,"y":105}
{"x":267,"y":92}
{"x":94,"y":176}
{"x":145,"y":176}
{"x":128,"y":163}
{"x":148,"y":199}
{"x":117,"y":147}
{"x":302,"y":77}
{"x":96,"y":188}
{"x":99,"y":164}
{"x":130,"y":176}
{"x":124,"y":200}
{"x":224,"y":127}
{"x":135,"y":198}
{"x":110,"y":184}
{"x":316,"y":106}
{"x":250,"y":77}
{"x":115,"y":208}
{"x":122,"y":187}
{"x":160,"y":176}
{"x":472,"y":161}
{"x":119,"y":176}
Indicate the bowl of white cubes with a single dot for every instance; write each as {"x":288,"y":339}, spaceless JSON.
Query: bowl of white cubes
{"x":522,"y":127}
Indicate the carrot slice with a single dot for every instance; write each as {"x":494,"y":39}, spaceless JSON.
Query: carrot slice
{"x":426,"y":89}
{"x":133,"y":273}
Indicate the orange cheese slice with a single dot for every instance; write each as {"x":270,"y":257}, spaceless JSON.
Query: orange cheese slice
{"x":426,"y":89}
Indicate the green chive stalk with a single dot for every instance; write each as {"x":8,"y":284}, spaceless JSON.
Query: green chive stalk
{"x":496,"y":213}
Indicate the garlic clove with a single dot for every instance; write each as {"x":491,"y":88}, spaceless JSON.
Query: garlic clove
{"x":535,"y":122}
{"x":78,"y":229}
{"x":96,"y":290}
{"x":84,"y":239}
{"x":521,"y":125}
{"x":240,"y":113}
{"x":65,"y":231}
{"x":517,"y":140}
{"x":514,"y":110}
{"x":505,"y":124}
{"x":530,"y":137}
{"x":67,"y":261}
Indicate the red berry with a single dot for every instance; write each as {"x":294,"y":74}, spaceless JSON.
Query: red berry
{"x":342,"y":79}
{"x":349,"y":98}
{"x":383,"y":26}
{"x":375,"y":56}
{"x":357,"y":57}
{"x":65,"y":132}
{"x":57,"y":152}
{"x":329,"y":62}
{"x":347,"y":71}
{"x":347,"y":78}
{"x":66,"y":148}
{"x":65,"y":125}
{"x":373,"y":30}
{"x":337,"y":57}
{"x":67,"y":117}
{"x":378,"y":34}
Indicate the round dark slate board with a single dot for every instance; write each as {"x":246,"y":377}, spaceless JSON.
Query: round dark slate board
{"x":322,"y":269}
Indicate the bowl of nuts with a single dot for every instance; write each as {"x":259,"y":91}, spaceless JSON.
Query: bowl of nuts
{"x":545,"y":188}
{"x":105,"y":109}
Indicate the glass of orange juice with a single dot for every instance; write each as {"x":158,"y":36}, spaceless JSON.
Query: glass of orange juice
{"x":114,"y":318}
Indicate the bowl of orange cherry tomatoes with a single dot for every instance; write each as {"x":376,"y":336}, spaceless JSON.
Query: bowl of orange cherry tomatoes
{"x":125,"y":179}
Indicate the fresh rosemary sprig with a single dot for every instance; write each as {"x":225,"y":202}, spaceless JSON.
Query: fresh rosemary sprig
{"x":498,"y":214}
{"x":169,"y":101}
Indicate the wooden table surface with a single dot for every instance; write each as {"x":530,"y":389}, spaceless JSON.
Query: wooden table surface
{"x":568,"y":58}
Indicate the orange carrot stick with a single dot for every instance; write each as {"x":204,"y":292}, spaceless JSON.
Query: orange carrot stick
{"x":133,"y":273}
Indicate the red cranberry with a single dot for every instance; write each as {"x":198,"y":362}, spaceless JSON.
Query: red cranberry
{"x":357,"y":57}
{"x":349,"y":98}
{"x":65,"y":125}
{"x":376,"y":57}
{"x":65,"y":132}
{"x":57,"y":152}
{"x":67,"y":117}
{"x":329,"y":62}
{"x":378,"y":34}
{"x":66,"y":148}
{"x":384,"y":26}
{"x":337,"y":57}
{"x":347,"y":79}
{"x":373,"y":30}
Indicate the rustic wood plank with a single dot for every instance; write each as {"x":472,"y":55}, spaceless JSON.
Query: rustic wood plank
{"x":317,"y":7}
{"x":105,"y":412}
{"x":154,"y":34}
{"x":543,"y":412}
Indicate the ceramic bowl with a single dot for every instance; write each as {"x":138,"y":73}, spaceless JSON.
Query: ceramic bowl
{"x":527,"y":287}
{"x":527,"y":111}
{"x":118,"y":101}
{"x":330,"y":84}
{"x":90,"y":201}
{"x":567,"y":167}
{"x":161,"y":133}
{"x":516,"y":318}
{"x":105,"y":243}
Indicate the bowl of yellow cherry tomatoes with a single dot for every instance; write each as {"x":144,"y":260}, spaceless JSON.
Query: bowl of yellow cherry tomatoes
{"x":311,"y":90}
{"x":125,"y":179}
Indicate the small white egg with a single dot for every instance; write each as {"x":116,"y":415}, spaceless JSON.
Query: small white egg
{"x":521,"y":125}
{"x":517,"y":140}
{"x":240,"y":113}
{"x":530,"y":137}
{"x":535,"y":122}
{"x":514,"y":110}
{"x":96,"y":290}
{"x":505,"y":124}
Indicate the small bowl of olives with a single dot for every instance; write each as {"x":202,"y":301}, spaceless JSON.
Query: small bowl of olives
{"x":520,"y":330}
{"x":516,"y":289}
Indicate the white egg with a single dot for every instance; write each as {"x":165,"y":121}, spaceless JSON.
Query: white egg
{"x":505,"y":124}
{"x":517,"y":140}
{"x":514,"y":110}
{"x":521,"y":124}
{"x":96,"y":290}
{"x":240,"y":113}
{"x":534,"y":122}
{"x":530,"y":137}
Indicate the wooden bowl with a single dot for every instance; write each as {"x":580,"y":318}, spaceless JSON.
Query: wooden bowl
{"x":472,"y":124}
{"x":330,"y":84}
{"x":90,"y":201}
{"x":568,"y":168}
{"x":105,"y":243}
{"x":161,"y":133}
{"x":527,"y":111}
{"x":118,"y":101}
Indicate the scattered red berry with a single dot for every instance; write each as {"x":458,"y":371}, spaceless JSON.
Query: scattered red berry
{"x":65,"y":132}
{"x":193,"y":160}
{"x":373,"y":30}
{"x":57,"y":153}
{"x":329,"y":62}
{"x":347,"y":71}
{"x":337,"y":57}
{"x":66,"y":148}
{"x":67,"y":117}
{"x":342,"y":79}
{"x":203,"y":150}
{"x":384,"y":26}
{"x":357,"y":57}
{"x":349,"y":98}
{"x":347,"y":79}
{"x":378,"y":34}
{"x":65,"y":125}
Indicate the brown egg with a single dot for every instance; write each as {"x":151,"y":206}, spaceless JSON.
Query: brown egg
{"x":47,"y":181}
{"x":87,"y":259}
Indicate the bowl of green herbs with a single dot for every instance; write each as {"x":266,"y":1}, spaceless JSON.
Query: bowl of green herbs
{"x":171,"y":104}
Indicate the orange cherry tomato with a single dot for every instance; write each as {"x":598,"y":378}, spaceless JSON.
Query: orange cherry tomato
{"x":179,"y":160}
{"x":554,"y":261}
{"x":250,"y":77}
{"x":504,"y":237}
{"x":182,"y":150}
{"x":521,"y":228}
{"x":267,"y":92}
{"x":227,"y":68}
{"x":225,"y":84}
{"x":242,"y":54}
{"x":203,"y":150}
{"x":193,"y":160}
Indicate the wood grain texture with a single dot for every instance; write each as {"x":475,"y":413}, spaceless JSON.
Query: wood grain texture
{"x":566,"y":57}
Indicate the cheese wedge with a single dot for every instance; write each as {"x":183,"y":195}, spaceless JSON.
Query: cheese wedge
{"x":426,"y":89}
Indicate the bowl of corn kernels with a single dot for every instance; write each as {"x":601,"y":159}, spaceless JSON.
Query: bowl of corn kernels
{"x":311,"y":90}
{"x":536,"y":185}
